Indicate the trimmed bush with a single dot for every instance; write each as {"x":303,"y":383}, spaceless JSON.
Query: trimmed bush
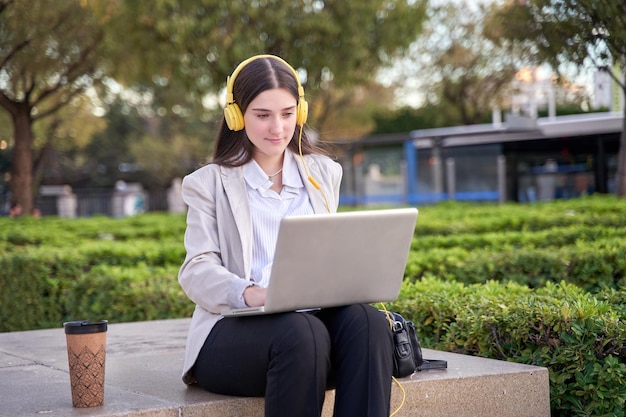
{"x":128,"y":294}
{"x":541,"y":284}
{"x":578,"y":337}
{"x":50,"y":269}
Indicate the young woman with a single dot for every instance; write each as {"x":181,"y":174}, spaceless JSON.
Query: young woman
{"x":264,"y":168}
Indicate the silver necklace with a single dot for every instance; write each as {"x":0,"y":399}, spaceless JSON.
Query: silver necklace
{"x":269,"y":177}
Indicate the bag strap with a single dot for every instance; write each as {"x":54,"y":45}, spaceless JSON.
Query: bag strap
{"x":432,"y":364}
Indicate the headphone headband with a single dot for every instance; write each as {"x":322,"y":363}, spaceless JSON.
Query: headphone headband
{"x":232,"y":112}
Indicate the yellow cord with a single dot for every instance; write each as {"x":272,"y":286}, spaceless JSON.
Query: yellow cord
{"x":402,"y":390}
{"x":306,"y":170}
{"x":403,"y":396}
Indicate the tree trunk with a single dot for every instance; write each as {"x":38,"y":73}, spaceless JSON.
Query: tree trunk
{"x":22,"y":166}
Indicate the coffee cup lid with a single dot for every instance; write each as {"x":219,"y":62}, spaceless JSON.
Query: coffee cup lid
{"x":85,"y":327}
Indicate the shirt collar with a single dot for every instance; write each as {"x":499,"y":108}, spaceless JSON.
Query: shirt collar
{"x":256,"y":178}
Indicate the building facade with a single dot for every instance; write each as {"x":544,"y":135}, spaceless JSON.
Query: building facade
{"x":521,"y":160}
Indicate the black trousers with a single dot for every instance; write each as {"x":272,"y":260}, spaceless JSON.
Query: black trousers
{"x":292,"y":358}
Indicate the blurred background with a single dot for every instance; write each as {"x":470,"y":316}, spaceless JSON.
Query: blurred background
{"x":106,"y":104}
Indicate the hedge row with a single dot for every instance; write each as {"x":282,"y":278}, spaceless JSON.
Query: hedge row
{"x":481,"y":279}
{"x":26,"y":233}
{"x":580,"y":338}
{"x":53,"y":270}
{"x":44,"y":291}
{"x":452,"y":218}
{"x":592,"y":265}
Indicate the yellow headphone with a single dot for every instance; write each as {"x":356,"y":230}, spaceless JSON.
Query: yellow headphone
{"x":232,"y":112}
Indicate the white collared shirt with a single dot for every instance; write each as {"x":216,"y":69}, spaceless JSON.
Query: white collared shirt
{"x":268,"y":208}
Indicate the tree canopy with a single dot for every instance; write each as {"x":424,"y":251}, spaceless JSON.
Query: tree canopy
{"x":335,"y":45}
{"x":469,"y":75}
{"x":201,"y":41}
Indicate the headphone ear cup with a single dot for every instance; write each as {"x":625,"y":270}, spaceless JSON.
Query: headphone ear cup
{"x":302,"y":112}
{"x":233,"y":117}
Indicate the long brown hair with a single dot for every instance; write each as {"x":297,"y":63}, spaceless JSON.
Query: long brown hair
{"x":233,"y":148}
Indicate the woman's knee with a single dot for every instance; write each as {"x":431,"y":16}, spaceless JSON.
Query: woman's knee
{"x":362,"y":316}
{"x":359,"y":323}
{"x":302,"y":335}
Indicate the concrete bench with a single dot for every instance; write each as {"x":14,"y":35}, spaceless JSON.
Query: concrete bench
{"x":144,"y":362}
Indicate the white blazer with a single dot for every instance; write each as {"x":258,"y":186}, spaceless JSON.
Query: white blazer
{"x":218,"y":239}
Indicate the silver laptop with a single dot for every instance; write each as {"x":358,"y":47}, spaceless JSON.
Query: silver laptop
{"x":329,"y":260}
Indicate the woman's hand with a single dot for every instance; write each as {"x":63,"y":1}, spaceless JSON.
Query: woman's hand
{"x":254,"y":296}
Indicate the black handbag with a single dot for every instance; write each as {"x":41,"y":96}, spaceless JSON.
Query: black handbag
{"x":407,"y":353}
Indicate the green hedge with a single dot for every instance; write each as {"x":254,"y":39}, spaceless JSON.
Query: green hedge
{"x":42,"y":289}
{"x":592,"y":265}
{"x":578,"y":337}
{"x":542,"y":284}
{"x":53,"y":270}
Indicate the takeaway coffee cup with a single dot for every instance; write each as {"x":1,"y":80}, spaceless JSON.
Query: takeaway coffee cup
{"x":86,"y":353}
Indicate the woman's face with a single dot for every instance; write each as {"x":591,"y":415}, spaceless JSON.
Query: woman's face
{"x":270,"y":121}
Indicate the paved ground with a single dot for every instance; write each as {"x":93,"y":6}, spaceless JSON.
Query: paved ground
{"x":143,"y":370}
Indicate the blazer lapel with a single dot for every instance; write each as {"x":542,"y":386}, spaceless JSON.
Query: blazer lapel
{"x":237,"y":194}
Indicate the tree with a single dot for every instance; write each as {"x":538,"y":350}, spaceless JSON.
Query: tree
{"x":349,"y":113}
{"x":470,"y":74}
{"x":48,"y":56}
{"x":335,"y":45}
{"x":149,"y":148}
{"x":455,"y":68}
{"x":409,"y":118}
{"x":563,"y":32}
{"x":62,"y":141}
